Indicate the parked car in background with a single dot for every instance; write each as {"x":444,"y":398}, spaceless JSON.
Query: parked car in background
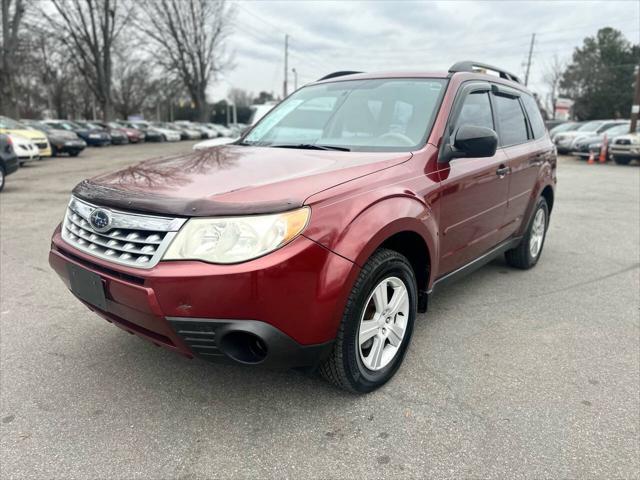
{"x":221,"y":129}
{"x":117,"y":133}
{"x":551,"y":124}
{"x":186,"y":133}
{"x":133,"y":134}
{"x":233,"y":132}
{"x":168,"y":133}
{"x":564,"y":127}
{"x":8,"y":159}
{"x":564,"y":141}
{"x":25,"y":148}
{"x":259,"y":111}
{"x":118,"y":137}
{"x":92,"y":136}
{"x":316,"y":239}
{"x":625,"y":148}
{"x":583,"y":146}
{"x":205,"y":132}
{"x":61,"y":141}
{"x":150,"y":134}
{"x":10,"y":126}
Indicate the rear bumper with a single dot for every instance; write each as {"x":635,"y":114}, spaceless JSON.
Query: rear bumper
{"x":281,"y":310}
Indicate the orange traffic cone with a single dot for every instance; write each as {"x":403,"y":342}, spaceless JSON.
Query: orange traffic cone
{"x":592,"y":158}
{"x":603,"y":150}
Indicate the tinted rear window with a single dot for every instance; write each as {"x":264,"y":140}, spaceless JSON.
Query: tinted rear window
{"x":533,"y":112}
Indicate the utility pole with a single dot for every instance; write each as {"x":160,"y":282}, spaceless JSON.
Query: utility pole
{"x":526,"y":76}
{"x":295,"y":79}
{"x":286,"y":65}
{"x":635,"y":108}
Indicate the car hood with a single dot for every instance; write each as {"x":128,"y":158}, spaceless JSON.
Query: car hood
{"x":29,"y":134}
{"x":231,"y":180}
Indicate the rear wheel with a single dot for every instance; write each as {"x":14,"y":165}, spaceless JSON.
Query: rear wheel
{"x":376,"y":326}
{"x":528,"y":251}
{"x":621,"y":160}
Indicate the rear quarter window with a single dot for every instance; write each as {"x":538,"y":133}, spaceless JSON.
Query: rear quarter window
{"x":535,"y":118}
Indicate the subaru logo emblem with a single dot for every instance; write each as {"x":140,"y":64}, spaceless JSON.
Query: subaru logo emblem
{"x":100,"y":220}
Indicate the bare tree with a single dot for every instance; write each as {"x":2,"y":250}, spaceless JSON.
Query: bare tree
{"x":13,"y":12}
{"x":188,"y":38}
{"x":133,"y":85}
{"x":240,"y":98}
{"x":89,"y":29}
{"x":552,"y":77}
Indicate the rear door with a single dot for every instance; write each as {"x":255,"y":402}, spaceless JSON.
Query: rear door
{"x":474,"y":190}
{"x":523,"y":139}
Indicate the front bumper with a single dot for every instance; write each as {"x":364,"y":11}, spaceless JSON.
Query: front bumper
{"x":290,"y":301}
{"x":629,"y":151}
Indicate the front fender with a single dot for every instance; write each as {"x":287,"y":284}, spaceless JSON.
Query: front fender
{"x":355,"y":235}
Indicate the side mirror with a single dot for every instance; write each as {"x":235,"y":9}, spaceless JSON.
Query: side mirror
{"x":470,"y":141}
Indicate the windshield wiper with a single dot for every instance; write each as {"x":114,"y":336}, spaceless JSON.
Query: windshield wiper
{"x":312,"y":146}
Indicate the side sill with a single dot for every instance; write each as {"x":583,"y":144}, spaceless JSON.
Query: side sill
{"x":474,"y":265}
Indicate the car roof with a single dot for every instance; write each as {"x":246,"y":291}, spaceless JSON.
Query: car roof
{"x":463,"y":75}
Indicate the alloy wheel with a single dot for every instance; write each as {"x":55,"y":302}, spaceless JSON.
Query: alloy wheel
{"x":383,"y":323}
{"x":537,"y":233}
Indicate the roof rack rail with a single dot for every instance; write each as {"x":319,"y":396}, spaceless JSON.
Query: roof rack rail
{"x":471,"y":66}
{"x":337,"y":74}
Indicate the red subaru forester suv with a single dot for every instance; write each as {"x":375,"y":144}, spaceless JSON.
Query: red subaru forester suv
{"x":314,"y":239}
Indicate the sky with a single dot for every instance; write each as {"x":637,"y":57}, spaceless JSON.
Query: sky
{"x":377,"y":35}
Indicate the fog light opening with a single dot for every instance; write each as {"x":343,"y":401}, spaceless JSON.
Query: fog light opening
{"x":243,"y":347}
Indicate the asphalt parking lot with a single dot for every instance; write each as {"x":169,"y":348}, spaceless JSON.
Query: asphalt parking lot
{"x":510,"y":374}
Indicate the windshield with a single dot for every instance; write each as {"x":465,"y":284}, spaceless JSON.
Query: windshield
{"x":590,"y":127}
{"x":366,"y":115}
{"x":564,"y":127}
{"x":617,"y":129}
{"x":64,"y":125}
{"x":11,"y":124}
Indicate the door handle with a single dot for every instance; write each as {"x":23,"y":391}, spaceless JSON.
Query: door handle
{"x":503,"y":170}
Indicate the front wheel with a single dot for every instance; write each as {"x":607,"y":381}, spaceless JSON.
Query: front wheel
{"x":376,"y":325}
{"x":621,"y":160}
{"x":2,"y":176}
{"x":528,"y":251}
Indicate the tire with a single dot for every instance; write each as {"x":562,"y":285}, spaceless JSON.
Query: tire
{"x":2,"y":177}
{"x":622,"y":160}
{"x":523,"y":256}
{"x":74,"y":153}
{"x":347,"y":366}
{"x":54,"y":151}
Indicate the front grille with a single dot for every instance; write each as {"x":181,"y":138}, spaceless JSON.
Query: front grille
{"x":42,"y":146}
{"x":131,"y":239}
{"x":623,"y":141}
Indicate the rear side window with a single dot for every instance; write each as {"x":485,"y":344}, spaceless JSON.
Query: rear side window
{"x":513,"y":126}
{"x":476,"y":111}
{"x":535,"y":119}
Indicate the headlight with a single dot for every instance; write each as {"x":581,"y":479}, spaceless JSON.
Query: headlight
{"x":236,"y":239}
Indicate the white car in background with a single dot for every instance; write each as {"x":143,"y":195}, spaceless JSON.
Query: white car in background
{"x":565,"y":141}
{"x":201,"y":128}
{"x":169,"y":135}
{"x":25,"y":149}
{"x":258,"y":111}
{"x":221,"y":129}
